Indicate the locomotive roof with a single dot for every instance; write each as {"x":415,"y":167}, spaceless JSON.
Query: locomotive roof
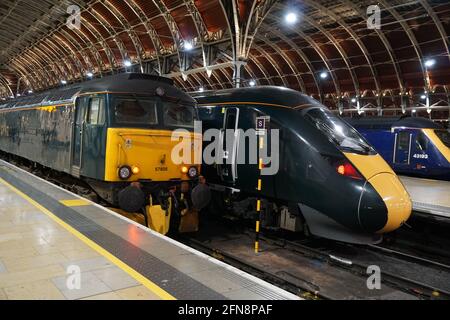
{"x":137,"y":83}
{"x":390,"y":122}
{"x":269,"y":95}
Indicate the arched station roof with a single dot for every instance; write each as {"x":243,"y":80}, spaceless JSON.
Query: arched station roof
{"x":328,"y":53}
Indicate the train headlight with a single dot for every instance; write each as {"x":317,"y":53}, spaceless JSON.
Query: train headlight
{"x":192,"y":172}
{"x":135,"y":170}
{"x":184,"y":169}
{"x":124,"y":172}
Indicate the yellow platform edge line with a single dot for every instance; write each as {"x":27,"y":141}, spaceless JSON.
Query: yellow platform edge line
{"x":122,"y":265}
{"x":75,"y":202}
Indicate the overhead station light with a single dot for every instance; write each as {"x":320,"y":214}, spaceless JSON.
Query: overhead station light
{"x":423,"y":97}
{"x":188,"y":46}
{"x":252,"y":83}
{"x":63,"y":82}
{"x":291,"y":18}
{"x":30,"y":91}
{"x":127,"y":63}
{"x":413,"y":111}
{"x":353,"y":100}
{"x":430,"y":62}
{"x":201,"y":89}
{"x":324,"y":75}
{"x":89,"y":74}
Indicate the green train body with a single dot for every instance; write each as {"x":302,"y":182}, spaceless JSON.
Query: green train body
{"x":308,"y":192}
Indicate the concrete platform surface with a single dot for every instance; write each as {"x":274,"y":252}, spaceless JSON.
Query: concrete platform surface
{"x":57,"y":245}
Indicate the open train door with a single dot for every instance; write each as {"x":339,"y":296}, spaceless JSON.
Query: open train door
{"x":229,"y":143}
{"x":402,"y":147}
{"x":77,"y":135}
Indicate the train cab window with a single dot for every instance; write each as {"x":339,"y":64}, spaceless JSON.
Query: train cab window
{"x":403,"y":141}
{"x":344,"y":136}
{"x":134,"y":111}
{"x":96,"y":111}
{"x":178,"y":115}
{"x":444,"y":136}
{"x":421,"y":141}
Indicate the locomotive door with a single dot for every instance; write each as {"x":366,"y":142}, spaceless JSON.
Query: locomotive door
{"x":229,"y":145}
{"x":402,"y":147}
{"x":77,"y":140}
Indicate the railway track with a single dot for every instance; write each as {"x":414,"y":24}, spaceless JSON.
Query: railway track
{"x":394,"y":267}
{"x":424,"y":239}
{"x":334,"y":258}
{"x":410,"y":257}
{"x":351,"y":270}
{"x":305,"y":290}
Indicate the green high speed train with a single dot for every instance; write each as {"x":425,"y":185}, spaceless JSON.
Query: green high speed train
{"x":330,"y":182}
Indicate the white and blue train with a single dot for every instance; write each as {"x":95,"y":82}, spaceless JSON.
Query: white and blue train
{"x":411,"y":145}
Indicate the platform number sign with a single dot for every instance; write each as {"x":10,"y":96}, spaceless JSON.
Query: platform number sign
{"x":262,"y":124}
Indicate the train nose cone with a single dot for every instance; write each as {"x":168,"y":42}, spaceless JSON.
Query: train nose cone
{"x":392,"y":211}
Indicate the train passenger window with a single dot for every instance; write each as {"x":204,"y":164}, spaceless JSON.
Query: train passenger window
{"x":444,"y":136}
{"x":178,"y":115}
{"x":403,"y":141}
{"x":421,"y":141}
{"x":139,"y":111}
{"x":96,"y":112}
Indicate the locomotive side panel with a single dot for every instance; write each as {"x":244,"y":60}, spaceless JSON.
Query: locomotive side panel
{"x":39,"y":134}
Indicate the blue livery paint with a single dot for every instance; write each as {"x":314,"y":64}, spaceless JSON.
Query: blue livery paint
{"x":408,"y":151}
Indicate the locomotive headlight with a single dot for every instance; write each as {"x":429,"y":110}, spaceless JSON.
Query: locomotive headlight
{"x":135,"y":170}
{"x":192,"y":173}
{"x":184,"y":169}
{"x":124,"y":172}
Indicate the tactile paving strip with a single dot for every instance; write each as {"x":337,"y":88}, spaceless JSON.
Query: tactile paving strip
{"x":168,"y":278}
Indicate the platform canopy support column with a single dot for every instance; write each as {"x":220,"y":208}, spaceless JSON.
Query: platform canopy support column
{"x":404,"y":105}
{"x":379,"y":105}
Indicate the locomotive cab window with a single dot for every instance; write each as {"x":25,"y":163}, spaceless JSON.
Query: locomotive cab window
{"x":178,"y":115}
{"x":134,"y":111}
{"x":421,"y":141}
{"x":338,"y":131}
{"x":96,"y":111}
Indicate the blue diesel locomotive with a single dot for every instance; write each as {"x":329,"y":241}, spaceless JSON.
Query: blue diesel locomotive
{"x":411,"y":145}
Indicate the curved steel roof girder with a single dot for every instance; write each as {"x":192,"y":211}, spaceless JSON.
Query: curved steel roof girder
{"x":173,"y":28}
{"x":386,"y":44}
{"x":350,"y":31}
{"x":412,"y":39}
{"x":151,"y":32}
{"x":300,"y":52}
{"x":439,"y":25}
{"x":128,"y":29}
{"x":288,"y":61}
{"x":271,"y":60}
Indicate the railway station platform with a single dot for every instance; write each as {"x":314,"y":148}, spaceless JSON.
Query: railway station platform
{"x":429,"y":197}
{"x":57,"y":245}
